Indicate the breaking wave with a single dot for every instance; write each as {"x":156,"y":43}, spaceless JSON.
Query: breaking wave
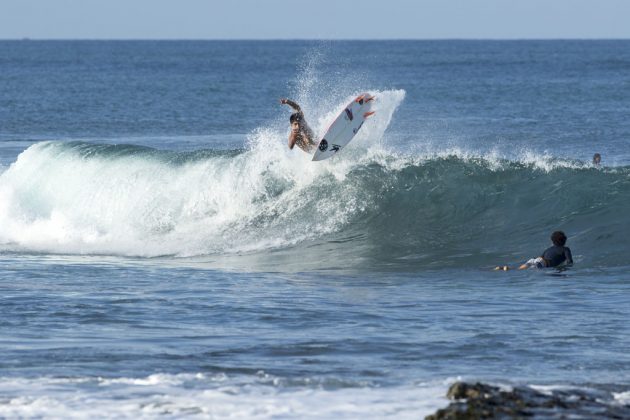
{"x":370,"y":206}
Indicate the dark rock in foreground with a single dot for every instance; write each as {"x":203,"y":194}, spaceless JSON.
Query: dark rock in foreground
{"x":481,"y":401}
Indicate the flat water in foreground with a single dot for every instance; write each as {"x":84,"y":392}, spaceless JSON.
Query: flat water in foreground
{"x":163,"y":337}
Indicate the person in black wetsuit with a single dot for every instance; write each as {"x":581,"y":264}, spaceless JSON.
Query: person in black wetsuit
{"x":554,"y":255}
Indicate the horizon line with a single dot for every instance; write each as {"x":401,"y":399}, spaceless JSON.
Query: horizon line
{"x":317,"y":39}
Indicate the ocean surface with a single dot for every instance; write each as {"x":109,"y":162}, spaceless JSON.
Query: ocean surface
{"x":162,"y":251}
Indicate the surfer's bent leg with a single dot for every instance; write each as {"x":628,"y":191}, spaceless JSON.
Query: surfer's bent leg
{"x":538,"y":262}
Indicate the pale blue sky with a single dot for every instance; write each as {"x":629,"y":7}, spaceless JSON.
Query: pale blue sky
{"x":313,"y":19}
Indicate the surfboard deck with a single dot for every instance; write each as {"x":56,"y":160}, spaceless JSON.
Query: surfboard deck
{"x":344,"y":127}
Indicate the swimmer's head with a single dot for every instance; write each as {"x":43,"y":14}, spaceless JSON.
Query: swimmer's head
{"x":558,"y":238}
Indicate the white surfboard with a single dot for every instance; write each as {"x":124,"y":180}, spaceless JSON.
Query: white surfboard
{"x":345,"y":126}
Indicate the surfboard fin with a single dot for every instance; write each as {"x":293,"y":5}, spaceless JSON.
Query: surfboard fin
{"x":368,"y":114}
{"x":365,"y":98}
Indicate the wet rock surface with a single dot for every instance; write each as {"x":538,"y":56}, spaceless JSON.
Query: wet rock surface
{"x":482,"y":401}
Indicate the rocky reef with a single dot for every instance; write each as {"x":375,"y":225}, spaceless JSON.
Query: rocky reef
{"x":482,"y":401}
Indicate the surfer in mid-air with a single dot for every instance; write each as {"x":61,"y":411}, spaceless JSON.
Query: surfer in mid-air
{"x":301,"y":133}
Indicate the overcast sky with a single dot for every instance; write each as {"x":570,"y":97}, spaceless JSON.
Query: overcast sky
{"x":313,"y":19}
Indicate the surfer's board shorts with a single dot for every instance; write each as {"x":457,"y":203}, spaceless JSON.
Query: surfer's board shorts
{"x":536,"y":262}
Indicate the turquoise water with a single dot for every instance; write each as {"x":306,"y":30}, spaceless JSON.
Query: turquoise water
{"x":162,"y":252}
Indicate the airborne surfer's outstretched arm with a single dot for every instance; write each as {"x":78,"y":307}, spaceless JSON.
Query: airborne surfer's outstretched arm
{"x":292,"y":104}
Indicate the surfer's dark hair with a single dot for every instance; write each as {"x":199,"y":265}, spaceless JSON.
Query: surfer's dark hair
{"x":295,"y":117}
{"x":558,"y":238}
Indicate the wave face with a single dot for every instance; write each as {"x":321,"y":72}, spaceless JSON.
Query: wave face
{"x":368,"y":207}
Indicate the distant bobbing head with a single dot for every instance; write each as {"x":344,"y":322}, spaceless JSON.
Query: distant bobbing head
{"x":558,"y":238}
